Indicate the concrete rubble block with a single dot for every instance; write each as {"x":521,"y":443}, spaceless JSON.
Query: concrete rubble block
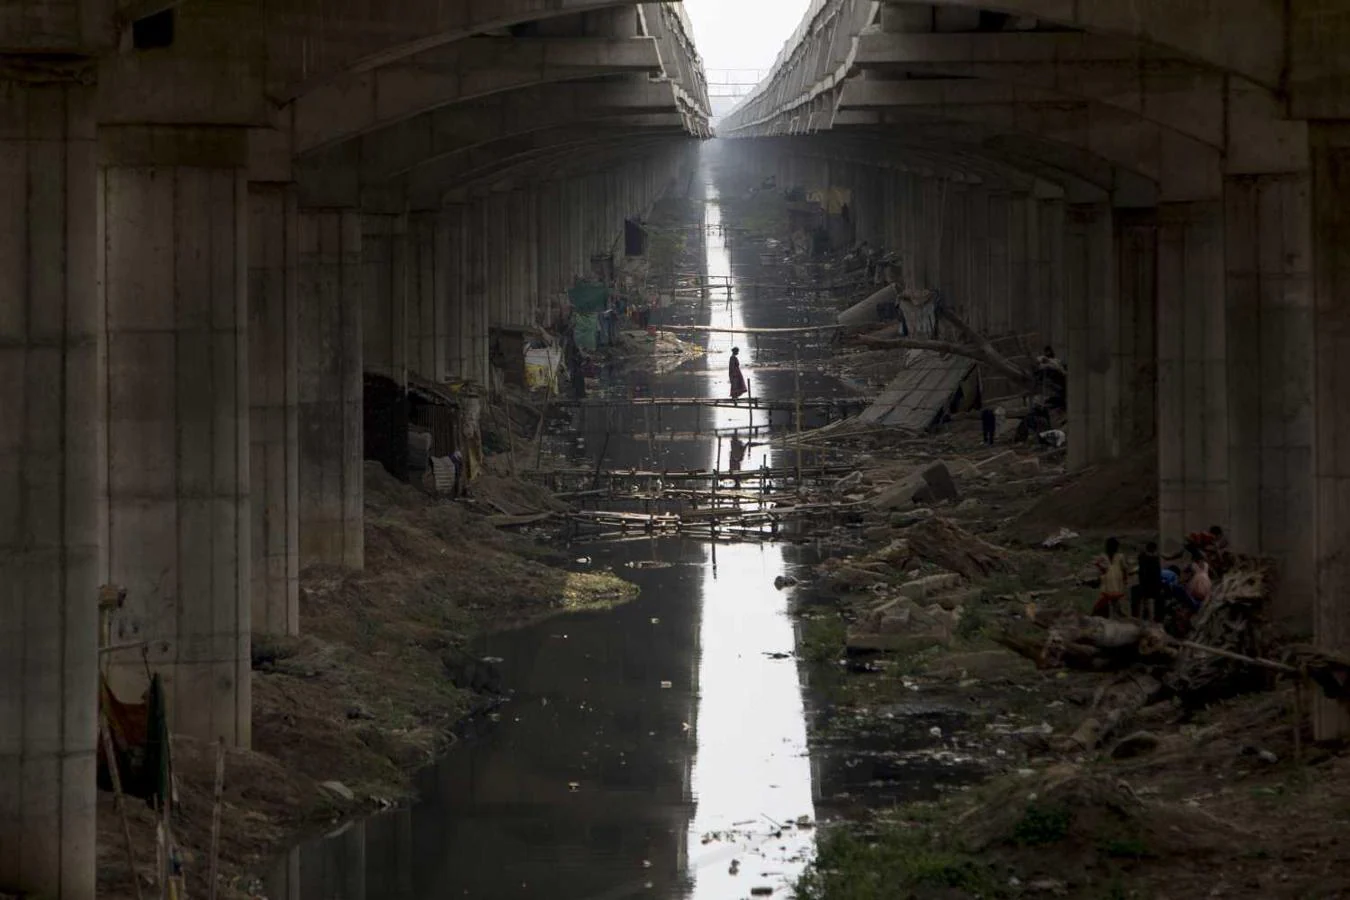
{"x":933,"y":484}
{"x":1026,"y":467}
{"x":902,"y":624}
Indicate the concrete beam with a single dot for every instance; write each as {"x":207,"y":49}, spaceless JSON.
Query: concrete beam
{"x":1246,"y":37}
{"x":1182,"y":168}
{"x":422,"y":139}
{"x":1157,"y":87}
{"x":472,"y":69}
{"x":311,"y":47}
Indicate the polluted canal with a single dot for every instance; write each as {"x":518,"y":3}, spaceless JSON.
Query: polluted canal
{"x":657,"y":749}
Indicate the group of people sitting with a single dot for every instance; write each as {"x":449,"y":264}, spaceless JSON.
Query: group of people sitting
{"x":1167,"y":589}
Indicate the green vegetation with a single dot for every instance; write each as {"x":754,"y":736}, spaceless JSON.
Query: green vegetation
{"x":899,"y":862}
{"x":823,"y":638}
{"x":1042,"y":824}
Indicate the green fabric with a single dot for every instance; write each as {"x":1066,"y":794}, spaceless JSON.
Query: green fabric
{"x":588,"y":297}
{"x":584,"y":330}
{"x":157,"y":769}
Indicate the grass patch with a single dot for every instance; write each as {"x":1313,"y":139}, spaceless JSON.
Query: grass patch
{"x":823,"y":639}
{"x":1042,"y":824}
{"x":899,"y":862}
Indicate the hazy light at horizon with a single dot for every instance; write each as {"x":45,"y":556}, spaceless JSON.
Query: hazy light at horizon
{"x":743,"y":34}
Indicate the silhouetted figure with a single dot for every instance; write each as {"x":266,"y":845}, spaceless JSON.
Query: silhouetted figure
{"x":738,"y":387}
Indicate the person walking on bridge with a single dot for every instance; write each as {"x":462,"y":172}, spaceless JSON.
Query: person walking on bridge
{"x":734,"y":373}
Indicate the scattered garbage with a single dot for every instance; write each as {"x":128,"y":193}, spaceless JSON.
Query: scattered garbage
{"x":1059,"y":538}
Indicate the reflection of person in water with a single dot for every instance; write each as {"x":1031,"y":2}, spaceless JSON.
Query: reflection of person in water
{"x":734,"y":373}
{"x":738,"y":451}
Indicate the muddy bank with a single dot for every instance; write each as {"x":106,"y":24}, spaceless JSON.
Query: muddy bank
{"x":372,"y":689}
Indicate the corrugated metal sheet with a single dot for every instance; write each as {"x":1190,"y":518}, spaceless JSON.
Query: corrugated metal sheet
{"x":915,"y":397}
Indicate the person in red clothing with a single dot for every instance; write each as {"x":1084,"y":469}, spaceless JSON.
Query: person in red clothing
{"x":734,"y":373}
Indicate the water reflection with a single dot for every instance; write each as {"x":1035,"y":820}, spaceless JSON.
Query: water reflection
{"x":634,"y":734}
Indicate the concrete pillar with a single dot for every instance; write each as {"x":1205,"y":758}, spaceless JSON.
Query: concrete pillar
{"x":386,"y":327}
{"x":1093,"y":320}
{"x":1192,"y":369}
{"x":1000,"y":265}
{"x":978,"y":253}
{"x":173,"y":218}
{"x":273,"y":329}
{"x":1330,"y":146}
{"x":1047,"y":288}
{"x":1269,"y":336}
{"x":330,"y":394}
{"x":52,"y":490}
{"x":1022,"y":234}
{"x":428,"y":334}
{"x":1136,"y":350}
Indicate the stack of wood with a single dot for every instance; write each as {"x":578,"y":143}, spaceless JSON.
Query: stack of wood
{"x":1224,"y":655}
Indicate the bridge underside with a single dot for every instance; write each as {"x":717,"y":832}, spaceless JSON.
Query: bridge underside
{"x":1156,"y":188}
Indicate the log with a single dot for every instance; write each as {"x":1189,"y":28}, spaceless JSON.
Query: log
{"x":991,"y":356}
{"x":956,"y":550}
{"x":976,"y":353}
{"x":1087,"y":643}
{"x":1114,"y":704}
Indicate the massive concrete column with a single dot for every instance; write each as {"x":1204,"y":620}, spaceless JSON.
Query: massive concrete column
{"x":1093,"y":392}
{"x":173,"y":219}
{"x":330,"y":394}
{"x":1330,"y":145}
{"x":386,"y":327}
{"x":1136,"y":350}
{"x":1192,"y":369}
{"x":52,"y":470}
{"x":273,"y":330}
{"x":429,"y":311}
{"x":1270,"y":373}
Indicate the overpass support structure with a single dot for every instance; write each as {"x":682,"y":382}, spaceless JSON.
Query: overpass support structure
{"x":1155,"y":187}
{"x":215,"y":217}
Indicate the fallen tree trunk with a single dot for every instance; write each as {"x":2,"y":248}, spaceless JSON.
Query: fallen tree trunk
{"x":1114,"y":704}
{"x":956,"y":550}
{"x":992,"y":356}
{"x":1087,"y":643}
{"x":979,"y":354}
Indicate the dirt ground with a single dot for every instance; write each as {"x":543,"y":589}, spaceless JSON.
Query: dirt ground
{"x":1219,"y":802}
{"x":371,"y":690}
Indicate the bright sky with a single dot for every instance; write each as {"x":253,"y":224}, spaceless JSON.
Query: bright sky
{"x":743,"y":34}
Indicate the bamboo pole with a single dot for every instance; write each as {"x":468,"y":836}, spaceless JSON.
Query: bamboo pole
{"x":797,"y":378}
{"x":215,"y":819}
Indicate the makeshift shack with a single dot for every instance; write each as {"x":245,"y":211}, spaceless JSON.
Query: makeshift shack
{"x":450,"y":412}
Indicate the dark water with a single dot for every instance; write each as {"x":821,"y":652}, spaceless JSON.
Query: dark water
{"x":648,"y":748}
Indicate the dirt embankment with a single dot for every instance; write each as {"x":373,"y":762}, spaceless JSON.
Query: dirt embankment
{"x":371,"y":689}
{"x":1227,"y":799}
